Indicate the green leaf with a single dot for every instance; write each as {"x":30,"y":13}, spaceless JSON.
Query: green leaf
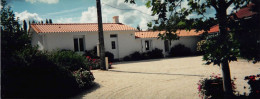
{"x":148,"y":4}
{"x":171,"y":8}
{"x":181,"y":23}
{"x":149,"y":24}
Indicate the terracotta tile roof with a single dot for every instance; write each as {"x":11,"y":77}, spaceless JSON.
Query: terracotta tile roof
{"x":154,"y":34}
{"x":214,"y":29}
{"x":245,"y":12}
{"x":78,"y":27}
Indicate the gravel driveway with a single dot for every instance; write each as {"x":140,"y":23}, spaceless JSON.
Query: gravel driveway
{"x":171,"y":78}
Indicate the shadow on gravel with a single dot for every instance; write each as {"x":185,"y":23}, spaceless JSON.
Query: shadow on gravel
{"x":81,"y":95}
{"x":151,"y":60}
{"x":155,"y":73}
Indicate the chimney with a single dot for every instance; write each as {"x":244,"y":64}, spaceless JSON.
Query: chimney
{"x":115,"y":19}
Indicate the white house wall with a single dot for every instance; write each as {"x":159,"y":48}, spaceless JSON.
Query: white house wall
{"x":53,"y":41}
{"x":127,"y":43}
{"x":37,"y":40}
{"x":188,"y":41}
{"x":56,"y":41}
{"x":155,"y":43}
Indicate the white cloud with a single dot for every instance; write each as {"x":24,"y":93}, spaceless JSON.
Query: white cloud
{"x":135,"y":15}
{"x":25,"y":15}
{"x":89,"y":16}
{"x":43,"y":1}
{"x":65,"y":11}
{"x":67,"y":20}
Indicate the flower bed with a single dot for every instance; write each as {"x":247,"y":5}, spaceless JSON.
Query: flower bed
{"x":212,"y":87}
{"x":254,"y":82}
{"x":95,"y":63}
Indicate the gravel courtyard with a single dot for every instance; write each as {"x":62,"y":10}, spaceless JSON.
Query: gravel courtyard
{"x":170,"y":78}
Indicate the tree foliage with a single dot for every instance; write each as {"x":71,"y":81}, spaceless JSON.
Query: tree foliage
{"x":14,"y":38}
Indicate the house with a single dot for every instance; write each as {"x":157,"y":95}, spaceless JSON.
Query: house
{"x":119,"y":39}
{"x":149,"y":40}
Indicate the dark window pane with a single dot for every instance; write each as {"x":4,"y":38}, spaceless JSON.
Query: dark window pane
{"x":113,"y":35}
{"x":81,"y":44}
{"x":166,"y":45}
{"x":147,"y":45}
{"x":113,"y":43}
{"x":76,"y":47}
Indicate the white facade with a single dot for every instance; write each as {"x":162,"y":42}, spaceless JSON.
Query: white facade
{"x":188,"y":41}
{"x":125,"y":42}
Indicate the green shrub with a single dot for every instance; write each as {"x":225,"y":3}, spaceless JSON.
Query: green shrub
{"x":69,"y":60}
{"x":127,"y":58}
{"x":83,"y":77}
{"x":34,"y":74}
{"x":180,"y":50}
{"x":136,"y":56}
{"x":155,"y":53}
{"x":110,"y":56}
{"x":91,"y":53}
{"x":93,"y":63}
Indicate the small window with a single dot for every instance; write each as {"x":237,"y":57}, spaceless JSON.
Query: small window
{"x":147,"y":45}
{"x":76,"y":47}
{"x":113,"y":43}
{"x":113,"y":35}
{"x":81,"y":46}
{"x":78,"y":44}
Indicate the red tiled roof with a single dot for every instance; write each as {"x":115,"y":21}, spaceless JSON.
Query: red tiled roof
{"x":245,"y":12}
{"x":214,"y":29}
{"x":154,"y":34}
{"x":78,"y":27}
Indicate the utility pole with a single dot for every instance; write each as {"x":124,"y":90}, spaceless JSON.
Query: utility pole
{"x":101,"y":37}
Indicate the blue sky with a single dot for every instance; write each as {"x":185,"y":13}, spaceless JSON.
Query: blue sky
{"x":84,"y":11}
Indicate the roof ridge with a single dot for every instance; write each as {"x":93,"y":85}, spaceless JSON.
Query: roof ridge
{"x":70,"y":23}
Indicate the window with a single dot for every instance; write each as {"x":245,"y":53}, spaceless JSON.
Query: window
{"x":113,"y":43}
{"x":78,"y":44}
{"x":147,"y":45}
{"x":166,"y":45}
{"x":113,"y":35}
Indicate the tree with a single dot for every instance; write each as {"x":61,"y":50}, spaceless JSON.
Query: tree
{"x":222,"y":48}
{"x":47,"y":21}
{"x":25,"y":26}
{"x":101,"y":37}
{"x":50,"y":21}
{"x":13,"y":36}
{"x":138,"y":28}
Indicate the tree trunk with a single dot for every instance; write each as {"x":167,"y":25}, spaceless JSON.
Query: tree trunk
{"x":222,"y":19}
{"x":227,"y":86}
{"x":101,"y":37}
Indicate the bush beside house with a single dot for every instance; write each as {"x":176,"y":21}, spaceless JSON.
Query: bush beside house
{"x":180,"y":50}
{"x":154,"y":54}
{"x":39,"y":74}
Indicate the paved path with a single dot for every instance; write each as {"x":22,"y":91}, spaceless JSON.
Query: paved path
{"x":173,"y":78}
